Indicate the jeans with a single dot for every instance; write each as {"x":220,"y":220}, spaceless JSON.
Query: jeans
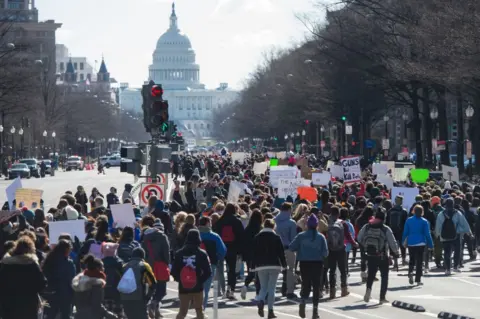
{"x":311,"y":272}
{"x":289,"y":273}
{"x":160,"y":291}
{"x":448,"y":247}
{"x":337,"y":258}
{"x":135,"y":309}
{"x":231,"y":260}
{"x":437,"y":251}
{"x":268,"y":283}
{"x":363,"y":260}
{"x":378,"y":263}
{"x":207,"y":285}
{"x":416,"y":261}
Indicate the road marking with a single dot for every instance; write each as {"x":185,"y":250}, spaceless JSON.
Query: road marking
{"x":433,"y":297}
{"x":466,"y":281}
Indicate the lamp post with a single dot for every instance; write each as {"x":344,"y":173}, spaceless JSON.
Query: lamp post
{"x":469,"y":114}
{"x":434,"y":117}
{"x":54,"y":144}
{"x":303,"y":141}
{"x":292,"y":141}
{"x":20,"y":132}
{"x":45,"y":139}
{"x":386,"y":144}
{"x":1,"y":148}
{"x":85,"y":148}
{"x":405,"y":137}
{"x":322,"y":142}
{"x":12,"y":131}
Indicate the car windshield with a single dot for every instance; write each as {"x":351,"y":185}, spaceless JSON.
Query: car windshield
{"x":48,"y":162}
{"x":28,"y":162}
{"x":73,"y":159}
{"x":19,"y":166}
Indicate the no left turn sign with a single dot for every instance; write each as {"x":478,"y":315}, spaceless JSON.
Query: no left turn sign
{"x":148,"y":190}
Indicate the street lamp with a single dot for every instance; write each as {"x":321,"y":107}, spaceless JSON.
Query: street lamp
{"x":12,"y":131}
{"x":433,"y":113}
{"x":20,"y":132}
{"x":469,"y":111}
{"x":308,"y":61}
{"x":405,"y":137}
{"x":304,"y":133}
{"x":54,"y":146}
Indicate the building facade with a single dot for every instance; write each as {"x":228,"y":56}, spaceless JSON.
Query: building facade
{"x":191,"y":105}
{"x":84,"y":69}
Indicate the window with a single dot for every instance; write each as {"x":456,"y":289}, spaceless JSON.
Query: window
{"x":208,"y":126}
{"x":89,"y":76}
{"x":82,"y":77}
{"x":201,"y":126}
{"x":195,"y":125}
{"x":81,"y":65}
{"x":75,"y":65}
{"x":62,"y":66}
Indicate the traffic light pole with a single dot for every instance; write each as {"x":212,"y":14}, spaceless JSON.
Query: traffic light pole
{"x":153,"y":159}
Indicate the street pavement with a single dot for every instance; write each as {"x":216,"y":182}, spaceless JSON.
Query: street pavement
{"x":458,"y":294}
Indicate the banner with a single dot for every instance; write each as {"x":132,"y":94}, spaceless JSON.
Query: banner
{"x":351,"y":169}
{"x":408,"y":195}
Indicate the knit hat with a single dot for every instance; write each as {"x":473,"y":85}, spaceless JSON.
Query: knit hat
{"x":193,"y":237}
{"x":109,"y":249}
{"x":312,"y":221}
{"x":158,"y":224}
{"x":28,"y":214}
{"x":71,"y":213}
{"x":138,"y":253}
{"x":418,"y":198}
{"x":435,"y":200}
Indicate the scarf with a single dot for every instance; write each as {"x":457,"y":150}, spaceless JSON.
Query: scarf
{"x":95,"y":274}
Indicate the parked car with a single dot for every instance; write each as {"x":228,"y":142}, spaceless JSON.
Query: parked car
{"x":32,"y":165}
{"x":75,"y":162}
{"x":19,"y":170}
{"x":113,"y":160}
{"x":48,"y":165}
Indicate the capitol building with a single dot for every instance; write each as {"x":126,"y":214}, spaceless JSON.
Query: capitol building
{"x":191,"y":105}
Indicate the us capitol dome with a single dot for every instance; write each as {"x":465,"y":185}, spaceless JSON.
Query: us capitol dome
{"x":191,"y":105}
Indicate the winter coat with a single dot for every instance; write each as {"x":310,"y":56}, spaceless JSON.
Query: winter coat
{"x":390,"y":238}
{"x":268,"y":251}
{"x":125,"y":249}
{"x":60,"y":274}
{"x":285,"y":228}
{"x":230,"y":223}
{"x":310,"y":245}
{"x":196,"y":257}
{"x":417,"y":232}
{"x":144,"y":278}
{"x":249,"y":237}
{"x":89,"y":297}
{"x":459,"y":220}
{"x":113,"y":270}
{"x":212,"y":244}
{"x":156,"y":246}
{"x":21,"y":281}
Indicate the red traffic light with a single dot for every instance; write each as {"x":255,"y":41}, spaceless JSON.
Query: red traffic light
{"x":157,"y":90}
{"x":307,"y":122}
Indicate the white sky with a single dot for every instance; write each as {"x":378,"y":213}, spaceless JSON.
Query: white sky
{"x":228,"y":36}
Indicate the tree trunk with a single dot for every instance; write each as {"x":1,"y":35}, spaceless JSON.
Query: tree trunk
{"x":442,"y":124}
{"x":461,"y":133}
{"x":428,"y":127}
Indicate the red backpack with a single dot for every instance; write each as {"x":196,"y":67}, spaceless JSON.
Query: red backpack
{"x":188,"y":274}
{"x":228,"y":235}
{"x":160,"y":268}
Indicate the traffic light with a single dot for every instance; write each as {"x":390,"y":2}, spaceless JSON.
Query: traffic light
{"x":174,"y":130}
{"x":159,"y":109}
{"x":344,"y":118}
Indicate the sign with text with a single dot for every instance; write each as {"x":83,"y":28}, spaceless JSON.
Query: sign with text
{"x":351,"y":169}
{"x":408,"y":195}
{"x":288,"y":186}
{"x":285,"y":172}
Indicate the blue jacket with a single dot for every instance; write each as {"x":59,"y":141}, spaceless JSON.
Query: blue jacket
{"x":417,"y":231}
{"x":461,"y":224}
{"x":310,"y":245}
{"x":286,"y":228}
{"x":213,"y":245}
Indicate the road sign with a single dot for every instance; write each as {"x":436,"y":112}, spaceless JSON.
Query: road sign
{"x":162,"y":179}
{"x":148,"y":190}
{"x":348,"y":129}
{"x":385,"y":143}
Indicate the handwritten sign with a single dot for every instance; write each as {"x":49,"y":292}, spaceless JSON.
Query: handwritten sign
{"x":28,"y":197}
{"x":351,"y":169}
{"x":279,"y":172}
{"x":288,"y":186}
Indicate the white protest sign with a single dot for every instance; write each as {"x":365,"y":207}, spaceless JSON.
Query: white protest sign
{"x":401,"y":174}
{"x":260,"y":168}
{"x":11,"y":190}
{"x":286,"y":172}
{"x":450,"y":173}
{"x":408,"y":194}
{"x":336,"y":171}
{"x":122,"y":215}
{"x":238,"y":156}
{"x":288,"y":186}
{"x":351,"y":169}
{"x":390,"y":165}
{"x":321,"y":179}
{"x":385,"y":180}
{"x":234,"y":191}
{"x":74,"y":228}
{"x":379,"y":169}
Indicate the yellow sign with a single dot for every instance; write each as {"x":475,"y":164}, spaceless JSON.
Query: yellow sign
{"x":28,"y":197}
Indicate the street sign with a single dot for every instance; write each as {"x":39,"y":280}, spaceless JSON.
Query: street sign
{"x":322,"y":143}
{"x":162,"y":179}
{"x":148,"y":190}
{"x":385,"y":144}
{"x":348,"y":129}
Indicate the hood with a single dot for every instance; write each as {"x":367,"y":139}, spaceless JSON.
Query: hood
{"x":204,"y":229}
{"x":20,"y":259}
{"x":151,"y":233}
{"x":83,"y":282}
{"x":282,"y":216}
{"x":375,"y":222}
{"x":159,"y":205}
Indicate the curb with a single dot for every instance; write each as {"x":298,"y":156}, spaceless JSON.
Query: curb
{"x":449,"y":315}
{"x":409,"y":306}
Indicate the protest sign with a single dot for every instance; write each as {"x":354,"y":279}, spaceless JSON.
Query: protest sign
{"x":308,"y":193}
{"x":234,"y":191}
{"x":401,"y":174}
{"x":419,"y":175}
{"x":11,"y":190}
{"x":278,"y":172}
{"x":260,"y":168}
{"x":122,"y":215}
{"x":321,"y":179}
{"x":385,"y":180}
{"x":351,"y":169}
{"x":28,"y":197}
{"x":74,"y":228}
{"x":450,"y":173}
{"x":273,"y":162}
{"x":288,"y":186}
{"x":379,"y":169}
{"x":7,"y":214}
{"x":238,"y":156}
{"x":408,"y":195}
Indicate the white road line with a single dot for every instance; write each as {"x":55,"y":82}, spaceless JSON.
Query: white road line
{"x":465,"y":281}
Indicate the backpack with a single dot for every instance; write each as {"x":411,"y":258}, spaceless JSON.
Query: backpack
{"x":396,"y":220}
{"x":188,"y":274}
{"x":375,"y":240}
{"x":228,"y":235}
{"x":160,"y":268}
{"x":96,"y":250}
{"x":336,"y":236}
{"x":449,"y":231}
{"x":127,"y":284}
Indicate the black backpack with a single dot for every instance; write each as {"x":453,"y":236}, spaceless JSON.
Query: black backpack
{"x":449,"y":231}
{"x":396,"y":220}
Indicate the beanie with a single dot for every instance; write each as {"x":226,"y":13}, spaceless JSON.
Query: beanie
{"x":71,"y":213}
{"x":380,"y":214}
{"x":312,"y":221}
{"x":435,"y":200}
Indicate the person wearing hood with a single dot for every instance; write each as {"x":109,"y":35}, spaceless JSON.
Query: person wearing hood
{"x":215,"y":248}
{"x":396,"y":218}
{"x":82,"y":199}
{"x":311,"y":248}
{"x":88,"y":291}
{"x":113,"y":270}
{"x":70,"y":213}
{"x":437,"y":208}
{"x":157,"y":248}
{"x":135,"y":303}
{"x":22,"y":281}
{"x":450,"y":225}
{"x":377,"y":239}
{"x":162,"y":213}
{"x":417,"y":235}
{"x":286,"y":228}
{"x":127,"y":193}
{"x":191,"y":269}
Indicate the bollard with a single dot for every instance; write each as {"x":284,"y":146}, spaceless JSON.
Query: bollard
{"x":215,"y":297}
{"x":408,"y":306}
{"x":449,"y":315}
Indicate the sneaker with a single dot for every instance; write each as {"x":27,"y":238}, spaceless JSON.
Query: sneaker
{"x":448,"y":272}
{"x":345,"y":291}
{"x":383,"y":300}
{"x":410,"y":279}
{"x":243,"y":293}
{"x":363,"y":275}
{"x":301,"y":309}
{"x":230,"y":294}
{"x":261,"y":305}
{"x":292,"y":296}
{"x":271,"y":314}
{"x":419,"y":283}
{"x":367,"y":296}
